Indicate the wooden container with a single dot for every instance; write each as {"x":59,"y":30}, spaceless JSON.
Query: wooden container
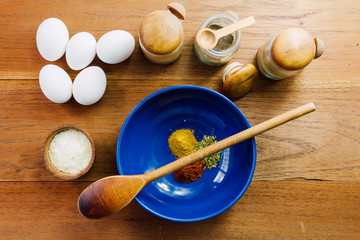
{"x":238,"y":79}
{"x":287,"y":53}
{"x":47,"y":161}
{"x":161,"y":34}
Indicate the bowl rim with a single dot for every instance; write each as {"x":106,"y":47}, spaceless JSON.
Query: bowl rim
{"x":208,"y":90}
{"x":46,"y":158}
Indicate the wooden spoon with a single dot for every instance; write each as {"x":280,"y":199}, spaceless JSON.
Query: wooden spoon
{"x":207,"y":38}
{"x":109,"y":195}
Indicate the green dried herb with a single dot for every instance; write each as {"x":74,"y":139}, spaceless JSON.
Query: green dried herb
{"x":212,"y":160}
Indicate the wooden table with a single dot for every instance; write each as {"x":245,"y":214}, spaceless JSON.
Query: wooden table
{"x":307,"y":178}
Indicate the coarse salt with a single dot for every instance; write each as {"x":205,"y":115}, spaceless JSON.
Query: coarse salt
{"x":70,"y":151}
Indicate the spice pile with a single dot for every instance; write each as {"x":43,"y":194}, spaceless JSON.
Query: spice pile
{"x":224,"y":42}
{"x":182,"y":142}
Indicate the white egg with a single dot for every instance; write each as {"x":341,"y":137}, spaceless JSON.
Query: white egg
{"x":52,"y":37}
{"x":89,"y":85}
{"x":55,"y":83}
{"x":115,"y":46}
{"x":81,"y":50}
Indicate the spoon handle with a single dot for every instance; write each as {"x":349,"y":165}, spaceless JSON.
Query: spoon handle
{"x":230,"y":141}
{"x":234,"y":27}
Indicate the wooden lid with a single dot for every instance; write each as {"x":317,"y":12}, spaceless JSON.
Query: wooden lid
{"x":293,"y":49}
{"x":161,"y":32}
{"x":177,"y":9}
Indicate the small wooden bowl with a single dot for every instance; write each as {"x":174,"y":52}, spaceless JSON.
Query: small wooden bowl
{"x":46,"y":158}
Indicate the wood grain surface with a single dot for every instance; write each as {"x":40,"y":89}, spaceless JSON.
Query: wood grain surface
{"x":307,"y":179}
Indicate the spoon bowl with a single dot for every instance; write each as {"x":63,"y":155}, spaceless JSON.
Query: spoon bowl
{"x":109,"y":195}
{"x":206,"y":38}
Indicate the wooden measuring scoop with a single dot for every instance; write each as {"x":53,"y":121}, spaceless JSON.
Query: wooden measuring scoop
{"x":207,"y":38}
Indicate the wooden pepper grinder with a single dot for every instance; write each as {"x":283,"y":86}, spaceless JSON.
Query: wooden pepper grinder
{"x":286,"y":54}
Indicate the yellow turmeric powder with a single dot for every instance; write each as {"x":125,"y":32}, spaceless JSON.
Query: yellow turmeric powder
{"x":182,"y":142}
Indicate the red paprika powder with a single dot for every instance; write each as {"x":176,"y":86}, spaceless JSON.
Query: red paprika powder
{"x":190,"y":173}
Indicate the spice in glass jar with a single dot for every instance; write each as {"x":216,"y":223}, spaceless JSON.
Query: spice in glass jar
{"x":228,"y":45}
{"x":224,"y":42}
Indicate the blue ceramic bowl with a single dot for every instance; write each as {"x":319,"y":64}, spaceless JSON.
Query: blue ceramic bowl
{"x":143,"y":147}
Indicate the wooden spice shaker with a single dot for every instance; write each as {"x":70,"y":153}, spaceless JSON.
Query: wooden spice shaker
{"x":287,"y":53}
{"x":238,"y":79}
{"x":161,"y":34}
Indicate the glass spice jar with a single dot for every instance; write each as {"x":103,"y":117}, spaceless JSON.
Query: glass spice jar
{"x":287,"y":53}
{"x":226,"y":47}
{"x":161,"y":34}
